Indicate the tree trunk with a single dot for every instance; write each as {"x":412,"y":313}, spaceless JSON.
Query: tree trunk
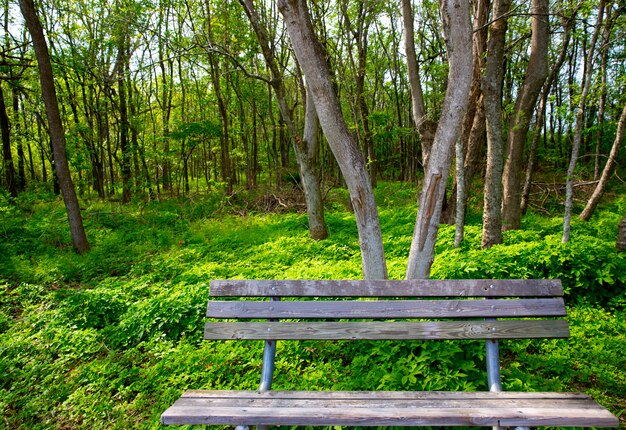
{"x":492,"y":92}
{"x":360,"y":33}
{"x":305,"y":148}
{"x":21,"y":159}
{"x":351,"y":161}
{"x":7,"y":156}
{"x":124,"y":123}
{"x":458,"y":31}
{"x":536,"y":74}
{"x":460,"y":194}
{"x":473,"y":128}
{"x":425,"y":127}
{"x":541,"y":110}
{"x":309,"y":168}
{"x":57,"y":134}
{"x":608,"y":169}
{"x":604,"y":51}
{"x":578,"y":131}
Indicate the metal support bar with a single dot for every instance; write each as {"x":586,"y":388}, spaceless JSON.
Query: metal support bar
{"x":493,"y":366}
{"x":267,"y":371}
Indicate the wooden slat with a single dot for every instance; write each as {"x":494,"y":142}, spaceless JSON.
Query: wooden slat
{"x":519,"y":308}
{"x":504,"y":329}
{"x":385,"y":395}
{"x":388,"y":288}
{"x":382,"y":409}
{"x":555,"y":403}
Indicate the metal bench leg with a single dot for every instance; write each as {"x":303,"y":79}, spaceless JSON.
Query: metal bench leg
{"x":267,"y":371}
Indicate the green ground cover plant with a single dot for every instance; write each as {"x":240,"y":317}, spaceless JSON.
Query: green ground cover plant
{"x":109,"y":339}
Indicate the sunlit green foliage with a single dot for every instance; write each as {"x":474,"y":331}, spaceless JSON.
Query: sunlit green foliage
{"x":110,"y":339}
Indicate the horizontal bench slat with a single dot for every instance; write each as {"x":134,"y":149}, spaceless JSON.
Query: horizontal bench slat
{"x":384,"y":395}
{"x":388,"y":288}
{"x":508,"y":329}
{"x":384,"y":408}
{"x":314,"y":402}
{"x":388,"y":309}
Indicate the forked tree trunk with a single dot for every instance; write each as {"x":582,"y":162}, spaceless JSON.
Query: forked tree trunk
{"x":578,"y":131}
{"x":305,"y":148}
{"x":458,"y":33}
{"x":608,"y":169}
{"x":473,"y":128}
{"x":57,"y":134}
{"x":492,"y":92}
{"x":351,"y":161}
{"x":536,"y":74}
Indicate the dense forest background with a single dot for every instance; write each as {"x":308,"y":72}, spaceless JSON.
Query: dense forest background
{"x":151,"y":146}
{"x":173,"y":98}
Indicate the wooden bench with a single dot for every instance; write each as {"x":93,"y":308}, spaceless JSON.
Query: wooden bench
{"x":428,"y":309}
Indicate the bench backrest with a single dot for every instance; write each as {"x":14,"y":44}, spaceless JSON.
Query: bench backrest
{"x":385,"y":309}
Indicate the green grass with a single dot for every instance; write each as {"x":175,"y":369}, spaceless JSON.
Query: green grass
{"x":110,"y":339}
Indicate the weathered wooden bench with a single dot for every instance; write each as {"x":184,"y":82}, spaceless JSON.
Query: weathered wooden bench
{"x":428,"y":309}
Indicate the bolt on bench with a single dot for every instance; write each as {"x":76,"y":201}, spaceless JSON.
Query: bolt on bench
{"x":428,"y":309}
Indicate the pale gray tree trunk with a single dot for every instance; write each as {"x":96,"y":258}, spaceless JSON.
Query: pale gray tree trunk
{"x":578,"y":130}
{"x":57,"y":134}
{"x":460,"y":194}
{"x":492,"y":93}
{"x":458,"y":33}
{"x":309,"y":170}
{"x":351,"y":161}
{"x":425,"y":127}
{"x":473,"y":128}
{"x":536,"y":74}
{"x":607,"y":171}
{"x":305,"y":148}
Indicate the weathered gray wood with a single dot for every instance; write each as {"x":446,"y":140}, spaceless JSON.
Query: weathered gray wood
{"x":504,"y":329}
{"x":387,"y":408}
{"x":388,"y":309}
{"x":389,"y":288}
{"x":314,"y":402}
{"x":384,"y":395}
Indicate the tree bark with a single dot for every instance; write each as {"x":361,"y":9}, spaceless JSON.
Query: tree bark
{"x":124,"y":122}
{"x":536,"y":74}
{"x":351,"y":161}
{"x":473,"y":128}
{"x":305,"y":148}
{"x":578,"y":131}
{"x":309,"y":167}
{"x":458,"y":34}
{"x":57,"y":134}
{"x":425,"y":127}
{"x":607,"y":171}
{"x":492,"y":92}
{"x":541,"y":110}
{"x":7,"y":156}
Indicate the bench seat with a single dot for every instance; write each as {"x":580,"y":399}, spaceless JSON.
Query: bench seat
{"x":387,"y":408}
{"x":488,"y":310}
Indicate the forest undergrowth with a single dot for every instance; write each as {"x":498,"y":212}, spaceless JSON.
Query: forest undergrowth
{"x":110,"y":339}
